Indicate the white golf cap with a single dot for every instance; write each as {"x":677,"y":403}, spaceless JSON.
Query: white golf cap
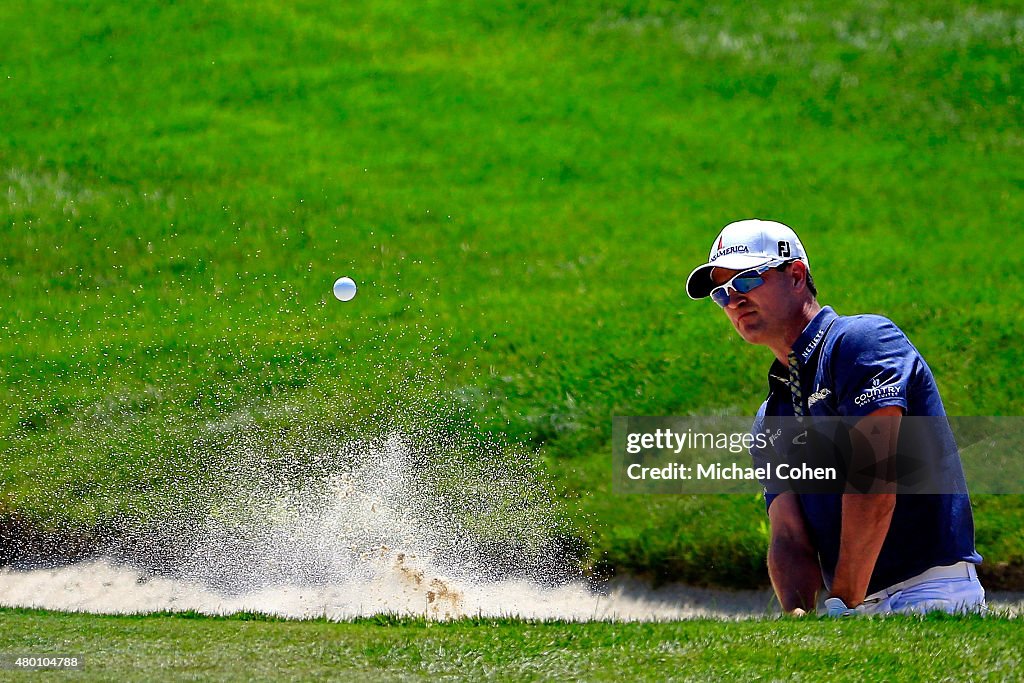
{"x":746,"y":244}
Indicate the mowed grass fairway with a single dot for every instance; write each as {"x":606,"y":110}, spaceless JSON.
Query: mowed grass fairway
{"x":519,"y":189}
{"x":895,"y":649}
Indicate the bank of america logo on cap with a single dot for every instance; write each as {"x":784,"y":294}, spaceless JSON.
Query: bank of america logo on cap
{"x":746,"y":244}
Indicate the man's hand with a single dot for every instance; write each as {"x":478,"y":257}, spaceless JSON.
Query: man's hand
{"x":835,"y":607}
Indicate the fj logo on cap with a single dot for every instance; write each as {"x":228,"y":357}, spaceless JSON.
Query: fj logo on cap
{"x":784,"y":249}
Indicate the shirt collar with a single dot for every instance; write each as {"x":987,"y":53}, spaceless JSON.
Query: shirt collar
{"x":812,"y":335}
{"x":805,"y":344}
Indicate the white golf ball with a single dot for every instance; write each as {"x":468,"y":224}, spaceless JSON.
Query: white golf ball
{"x":344,"y":289}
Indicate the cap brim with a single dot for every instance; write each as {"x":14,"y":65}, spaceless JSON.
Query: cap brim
{"x":699,"y":284}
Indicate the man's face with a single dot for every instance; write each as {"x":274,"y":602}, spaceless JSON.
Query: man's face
{"x":760,"y":315}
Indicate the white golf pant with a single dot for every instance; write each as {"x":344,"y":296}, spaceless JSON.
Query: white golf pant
{"x":954,"y":589}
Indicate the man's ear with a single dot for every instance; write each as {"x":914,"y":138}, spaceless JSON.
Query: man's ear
{"x":799,"y":274}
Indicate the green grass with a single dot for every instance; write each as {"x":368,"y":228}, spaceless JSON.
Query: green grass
{"x":519,"y":188}
{"x":248,"y":647}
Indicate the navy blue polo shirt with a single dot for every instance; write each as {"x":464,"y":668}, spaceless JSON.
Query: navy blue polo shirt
{"x":851,"y":366}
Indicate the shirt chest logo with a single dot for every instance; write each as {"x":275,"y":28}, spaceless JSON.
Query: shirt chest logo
{"x":819,"y":395}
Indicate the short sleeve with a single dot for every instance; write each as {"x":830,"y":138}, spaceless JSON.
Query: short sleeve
{"x":872,"y":366}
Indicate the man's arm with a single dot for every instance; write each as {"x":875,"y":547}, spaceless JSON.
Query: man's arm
{"x":792,"y":559}
{"x":867,"y":516}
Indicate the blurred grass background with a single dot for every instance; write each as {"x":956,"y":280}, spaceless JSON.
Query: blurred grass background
{"x":520,"y":189}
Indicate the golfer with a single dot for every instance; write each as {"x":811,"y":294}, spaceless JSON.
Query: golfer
{"x":875,"y":553}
